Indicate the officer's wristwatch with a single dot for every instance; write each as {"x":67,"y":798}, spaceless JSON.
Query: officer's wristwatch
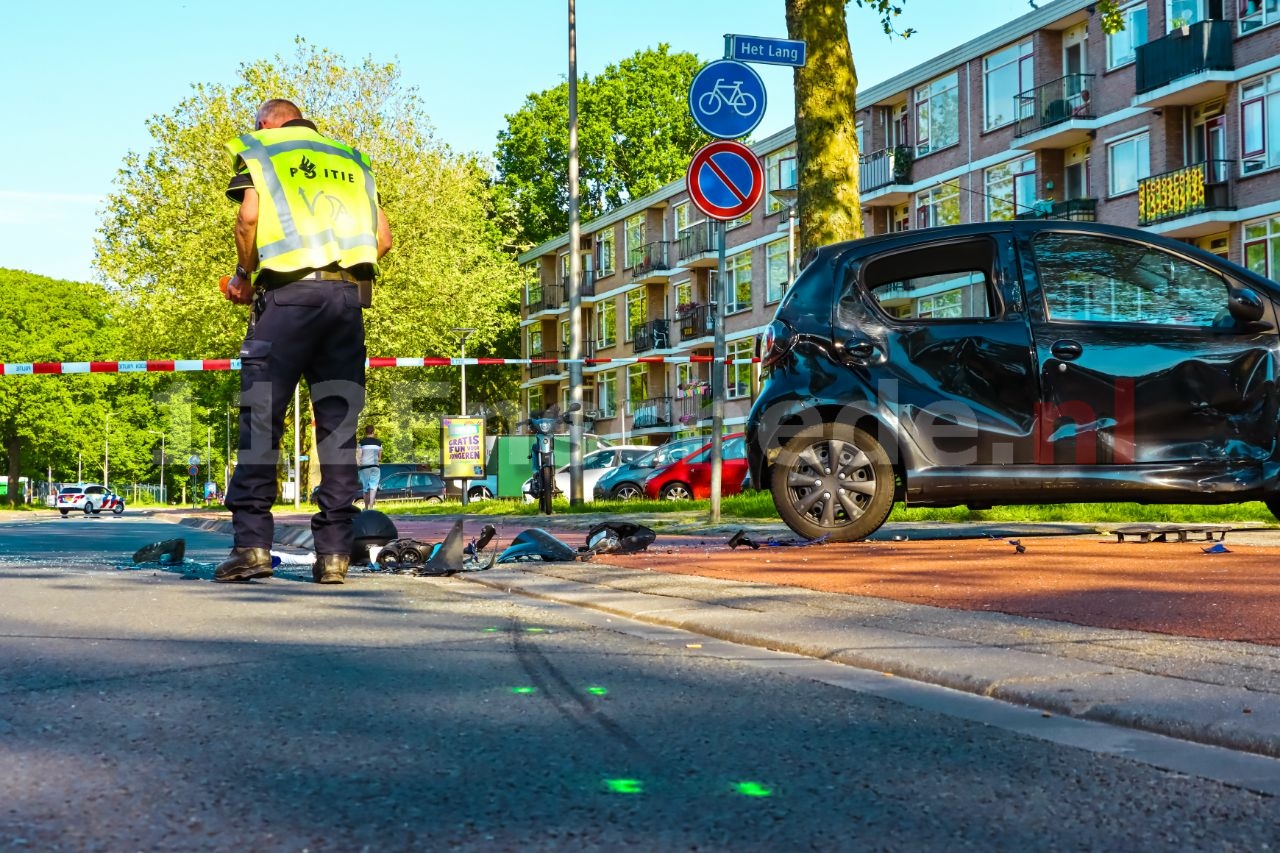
{"x":243,"y":273}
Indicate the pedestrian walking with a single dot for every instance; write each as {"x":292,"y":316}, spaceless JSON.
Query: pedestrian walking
{"x":368,"y":459}
{"x":308,"y":237}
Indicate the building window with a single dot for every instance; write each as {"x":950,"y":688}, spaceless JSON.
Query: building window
{"x":1122,"y":47}
{"x":535,"y":341}
{"x":637,"y":384}
{"x":738,"y":287}
{"x":1262,"y":245}
{"x":607,"y":393}
{"x":937,"y":114}
{"x":900,"y":218}
{"x":776,"y":273}
{"x":1260,"y":124}
{"x":637,"y":310}
{"x":606,"y":324}
{"x":1006,"y":74}
{"x":1180,"y":13}
{"x":1075,"y":180}
{"x":680,"y":217}
{"x":1258,"y":13}
{"x":1128,"y":161}
{"x":738,"y":378}
{"x":1011,"y":188}
{"x":633,"y":234}
{"x":604,"y":253}
{"x":939,"y":206}
{"x":779,"y":173}
{"x":684,"y":294}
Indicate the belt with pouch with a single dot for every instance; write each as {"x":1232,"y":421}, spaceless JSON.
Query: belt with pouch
{"x":363,"y":286}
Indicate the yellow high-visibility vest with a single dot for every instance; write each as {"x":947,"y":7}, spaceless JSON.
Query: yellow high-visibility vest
{"x":317,"y":202}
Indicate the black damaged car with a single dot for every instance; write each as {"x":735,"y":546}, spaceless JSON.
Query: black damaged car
{"x":1025,"y":362}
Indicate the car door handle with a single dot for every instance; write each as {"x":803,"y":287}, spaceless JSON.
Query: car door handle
{"x":858,"y":352}
{"x":1067,"y":350}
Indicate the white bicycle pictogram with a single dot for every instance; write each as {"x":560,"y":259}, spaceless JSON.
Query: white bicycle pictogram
{"x":722,"y":93}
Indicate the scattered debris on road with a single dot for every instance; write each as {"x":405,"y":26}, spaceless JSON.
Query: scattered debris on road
{"x":168,"y":552}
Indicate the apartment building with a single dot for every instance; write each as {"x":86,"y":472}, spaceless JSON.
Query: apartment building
{"x":1172,"y":125}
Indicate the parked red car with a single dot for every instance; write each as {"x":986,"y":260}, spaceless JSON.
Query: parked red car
{"x":690,"y":478}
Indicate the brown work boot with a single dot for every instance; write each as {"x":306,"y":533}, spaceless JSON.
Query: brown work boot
{"x":244,"y":564}
{"x":330,"y":568}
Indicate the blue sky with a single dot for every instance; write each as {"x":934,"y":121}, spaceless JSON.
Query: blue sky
{"x":81,"y":77}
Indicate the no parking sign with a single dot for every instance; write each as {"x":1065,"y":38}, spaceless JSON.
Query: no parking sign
{"x":725,"y":179}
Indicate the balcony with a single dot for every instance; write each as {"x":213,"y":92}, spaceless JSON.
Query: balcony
{"x":587,"y":288}
{"x":653,"y":264}
{"x":547,"y":297}
{"x":1185,"y":69}
{"x":698,"y":246}
{"x":1182,"y":203}
{"x":695,"y":321}
{"x":1072,"y":210}
{"x":545,"y":364}
{"x":655,"y":334}
{"x":694,"y":404}
{"x":1057,"y":114}
{"x":884,"y":177}
{"x":651,"y":413}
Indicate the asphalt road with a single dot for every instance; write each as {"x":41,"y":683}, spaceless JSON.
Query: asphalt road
{"x":152,"y":709}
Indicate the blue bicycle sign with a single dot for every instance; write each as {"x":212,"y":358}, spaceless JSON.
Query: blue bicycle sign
{"x":727,"y":99}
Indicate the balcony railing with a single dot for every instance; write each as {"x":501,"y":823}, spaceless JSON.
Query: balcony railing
{"x":697,"y":240}
{"x":884,"y":168}
{"x":550,"y":366}
{"x":696,"y":321}
{"x":1205,"y":47}
{"x":1075,"y":210}
{"x":653,"y":259}
{"x":1053,"y":103}
{"x":655,"y":334}
{"x":1185,"y":192}
{"x":694,"y":404}
{"x":653,"y":412}
{"x":588,"y":286}
{"x":547,"y":297}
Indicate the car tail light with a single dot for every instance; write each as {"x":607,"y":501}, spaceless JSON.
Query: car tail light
{"x":775,"y":343}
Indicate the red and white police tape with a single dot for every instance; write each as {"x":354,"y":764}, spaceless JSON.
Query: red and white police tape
{"x":41,"y":368}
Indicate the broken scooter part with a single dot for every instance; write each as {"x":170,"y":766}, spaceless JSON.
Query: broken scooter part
{"x":410,"y":556}
{"x":169,"y":552}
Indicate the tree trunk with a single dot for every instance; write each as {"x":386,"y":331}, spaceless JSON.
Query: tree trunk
{"x":13,"y":446}
{"x":826,"y":117}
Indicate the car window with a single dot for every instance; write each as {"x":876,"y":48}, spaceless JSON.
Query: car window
{"x":396,"y":481}
{"x":631,"y":455}
{"x":73,"y":491}
{"x":947,"y":281}
{"x":1087,"y":278}
{"x":94,"y":490}
{"x":598,"y":459}
{"x":734,"y":448}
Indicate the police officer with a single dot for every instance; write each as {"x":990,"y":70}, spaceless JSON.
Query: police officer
{"x":308,"y":237}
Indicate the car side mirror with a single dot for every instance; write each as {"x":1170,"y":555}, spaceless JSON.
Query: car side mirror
{"x":1244,"y":305}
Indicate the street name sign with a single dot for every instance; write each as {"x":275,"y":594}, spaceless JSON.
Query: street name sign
{"x":725,"y":179}
{"x":727,"y":99}
{"x":769,"y":51}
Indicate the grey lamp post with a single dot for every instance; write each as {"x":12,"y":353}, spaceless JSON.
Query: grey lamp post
{"x":161,"y":434}
{"x":463,"y":334}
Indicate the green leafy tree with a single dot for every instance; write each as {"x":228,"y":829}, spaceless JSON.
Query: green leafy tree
{"x":47,"y":421}
{"x":167,"y":233}
{"x":635,"y":134}
{"x":826,"y":114}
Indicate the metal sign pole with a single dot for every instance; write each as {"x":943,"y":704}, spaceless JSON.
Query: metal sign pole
{"x":575,"y":275}
{"x":720,"y":351}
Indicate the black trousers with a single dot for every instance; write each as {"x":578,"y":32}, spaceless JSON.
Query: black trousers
{"x":313,"y":330}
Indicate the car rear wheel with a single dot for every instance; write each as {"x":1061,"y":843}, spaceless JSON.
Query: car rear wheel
{"x":676,"y":492}
{"x":64,"y":512}
{"x":833,"y":480}
{"x":627,"y":492}
{"x":480,"y":493}
{"x":435,"y":499}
